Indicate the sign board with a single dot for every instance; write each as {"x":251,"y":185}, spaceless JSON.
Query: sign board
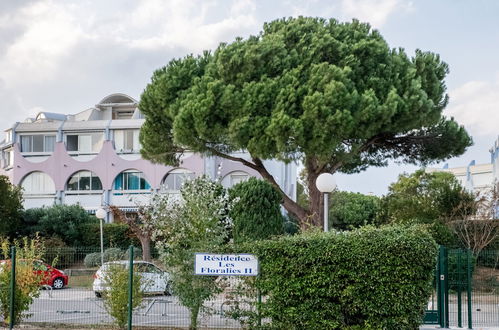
{"x":225,"y":264}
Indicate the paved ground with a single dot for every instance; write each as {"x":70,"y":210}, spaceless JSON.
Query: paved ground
{"x":79,"y":306}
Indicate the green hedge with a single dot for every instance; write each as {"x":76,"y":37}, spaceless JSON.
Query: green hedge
{"x":365,"y":279}
{"x":115,"y":235}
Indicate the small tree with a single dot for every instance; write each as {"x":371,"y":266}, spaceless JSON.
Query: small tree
{"x":11,"y":206}
{"x":350,"y":210}
{"x":476,"y":222}
{"x":27,"y":281}
{"x":256,"y":212}
{"x":141,"y":223}
{"x":116,"y":297}
{"x":198,"y":222}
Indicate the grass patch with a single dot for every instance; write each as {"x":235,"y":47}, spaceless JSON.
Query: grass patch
{"x":81,"y":281}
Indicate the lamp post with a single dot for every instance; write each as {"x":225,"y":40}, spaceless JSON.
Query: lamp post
{"x":326,"y":184}
{"x":101,"y":215}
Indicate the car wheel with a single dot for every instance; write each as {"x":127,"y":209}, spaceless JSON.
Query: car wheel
{"x":98,"y":294}
{"x":58,"y":283}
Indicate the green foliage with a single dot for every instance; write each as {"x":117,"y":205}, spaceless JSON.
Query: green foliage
{"x":350,"y":210}
{"x":116,"y":296}
{"x":11,"y":206}
{"x":114,"y":234}
{"x":256,"y":213}
{"x":333,"y":95}
{"x":57,"y":253}
{"x":428,"y":198}
{"x":111,"y":254}
{"x":27,"y":281}
{"x":369,"y":278}
{"x":425,"y":197}
{"x":64,"y":221}
{"x":92,"y":259}
{"x":197,"y":223}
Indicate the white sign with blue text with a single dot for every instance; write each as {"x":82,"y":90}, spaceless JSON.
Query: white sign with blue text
{"x":226,"y":264}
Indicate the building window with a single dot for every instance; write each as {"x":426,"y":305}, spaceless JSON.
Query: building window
{"x":88,"y":142}
{"x":131,"y":180}
{"x":176,"y":178}
{"x":37,"y":143}
{"x":122,"y":114}
{"x":84,"y":180}
{"x":8,"y":136}
{"x":126,"y":140}
{"x":9,"y":158}
{"x":234,"y":178}
{"x":38,"y":183}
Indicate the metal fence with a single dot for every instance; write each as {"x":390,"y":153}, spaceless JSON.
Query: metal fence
{"x":76,"y":305}
{"x":466,"y":290}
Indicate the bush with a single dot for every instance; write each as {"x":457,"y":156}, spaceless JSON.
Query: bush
{"x":27,"y":281}
{"x":137,"y":253}
{"x":64,"y":221}
{"x":116,"y":297}
{"x":350,"y":210}
{"x":57,"y":253}
{"x":256,"y":214}
{"x":367,"y":278}
{"x":115,"y":235}
{"x":92,"y":259}
{"x":113,"y":254}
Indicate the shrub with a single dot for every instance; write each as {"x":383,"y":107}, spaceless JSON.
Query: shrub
{"x":115,"y":235}
{"x":350,"y":210}
{"x":57,"y":253}
{"x":256,"y":213}
{"x":116,"y":297}
{"x":92,"y":259}
{"x":113,"y":254}
{"x":367,"y":278}
{"x":27,"y":281}
{"x":137,"y":253}
{"x":64,"y":221}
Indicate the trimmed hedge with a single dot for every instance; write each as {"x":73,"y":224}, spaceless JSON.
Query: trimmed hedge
{"x":115,"y":235}
{"x":370,"y":278}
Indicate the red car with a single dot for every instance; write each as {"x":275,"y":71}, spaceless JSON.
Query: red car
{"x":49,"y":275}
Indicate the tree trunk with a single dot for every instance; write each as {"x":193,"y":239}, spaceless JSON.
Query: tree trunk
{"x":194,"y":317}
{"x":145,"y":242}
{"x":316,"y":201}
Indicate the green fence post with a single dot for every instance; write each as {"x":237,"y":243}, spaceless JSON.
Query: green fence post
{"x":441,"y":287}
{"x":12,"y":286}
{"x":459,"y":288}
{"x":130,"y":287}
{"x":469,"y":261}
{"x":446,"y":286}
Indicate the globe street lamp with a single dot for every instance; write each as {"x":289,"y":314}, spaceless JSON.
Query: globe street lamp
{"x":326,"y":184}
{"x":101,"y":215}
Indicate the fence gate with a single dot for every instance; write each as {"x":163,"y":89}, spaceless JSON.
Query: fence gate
{"x":451,"y":303}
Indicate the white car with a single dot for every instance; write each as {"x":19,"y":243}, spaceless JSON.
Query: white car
{"x":153,"y":279}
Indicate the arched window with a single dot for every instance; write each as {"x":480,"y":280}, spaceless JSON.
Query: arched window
{"x":38,"y":183}
{"x":175,"y":179}
{"x":234,"y":178}
{"x":83,"y":180}
{"x":131,"y":180}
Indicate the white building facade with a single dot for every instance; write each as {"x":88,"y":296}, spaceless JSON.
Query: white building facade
{"x":92,"y":158}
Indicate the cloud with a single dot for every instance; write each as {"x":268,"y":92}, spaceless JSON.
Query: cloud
{"x":376,"y":12}
{"x":476,"y":105}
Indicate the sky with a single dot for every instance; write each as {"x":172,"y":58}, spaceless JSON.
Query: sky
{"x":64,"y":56}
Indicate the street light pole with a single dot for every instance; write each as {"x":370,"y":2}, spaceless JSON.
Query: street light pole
{"x":326,"y":184}
{"x":101,"y":215}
